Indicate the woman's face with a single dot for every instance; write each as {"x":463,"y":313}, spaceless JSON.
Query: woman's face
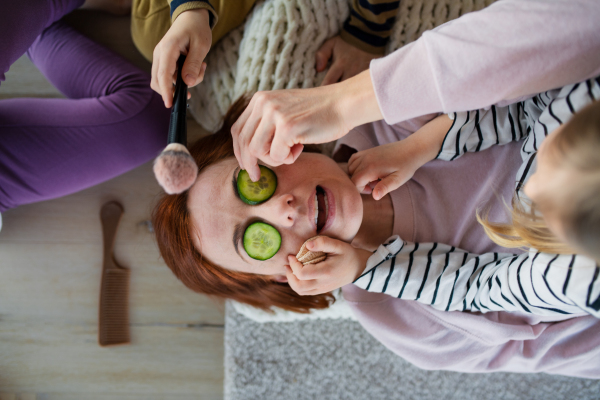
{"x":220,"y":217}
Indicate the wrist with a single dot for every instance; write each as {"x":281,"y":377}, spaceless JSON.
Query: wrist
{"x":357,"y":103}
{"x":426,"y":142}
{"x":196,"y":16}
{"x":362,"y":256}
{"x":421,"y":150}
{"x":194,"y":23}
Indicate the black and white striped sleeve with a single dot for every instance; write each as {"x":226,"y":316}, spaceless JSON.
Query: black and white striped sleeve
{"x":451,"y":279}
{"x":532,"y":120}
{"x":478,"y":130}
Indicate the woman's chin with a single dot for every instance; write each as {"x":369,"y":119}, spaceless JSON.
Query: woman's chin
{"x":352,"y":216}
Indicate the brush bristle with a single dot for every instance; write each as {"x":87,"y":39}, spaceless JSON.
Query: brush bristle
{"x":175,"y":171}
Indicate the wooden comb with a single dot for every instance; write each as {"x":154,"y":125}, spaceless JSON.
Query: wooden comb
{"x":113,"y":322}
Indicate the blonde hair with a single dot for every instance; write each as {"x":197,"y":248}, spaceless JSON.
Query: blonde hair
{"x":578,"y":147}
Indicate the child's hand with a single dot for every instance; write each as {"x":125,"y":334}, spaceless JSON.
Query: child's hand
{"x":385,"y":168}
{"x":346,"y":60}
{"x":191,"y":35}
{"x":343,"y":265}
{"x":382,"y":169}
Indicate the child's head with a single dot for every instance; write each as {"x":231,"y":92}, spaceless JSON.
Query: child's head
{"x":196,"y":230}
{"x":566,"y":185}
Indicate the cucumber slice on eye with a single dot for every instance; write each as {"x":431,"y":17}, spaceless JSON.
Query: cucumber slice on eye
{"x":254,"y":193}
{"x":261,"y":241}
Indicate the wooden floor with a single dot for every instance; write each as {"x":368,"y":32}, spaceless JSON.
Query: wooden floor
{"x":50,"y":264}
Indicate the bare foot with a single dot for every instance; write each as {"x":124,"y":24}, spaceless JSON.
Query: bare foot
{"x":116,"y":7}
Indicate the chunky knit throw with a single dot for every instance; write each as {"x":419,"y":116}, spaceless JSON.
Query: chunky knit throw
{"x":276,"y":47}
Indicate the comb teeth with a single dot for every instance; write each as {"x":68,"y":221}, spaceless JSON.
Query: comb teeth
{"x":114,"y":319}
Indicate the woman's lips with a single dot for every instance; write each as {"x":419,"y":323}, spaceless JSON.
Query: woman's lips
{"x":311,"y":209}
{"x":322,"y":208}
{"x":331,"y":209}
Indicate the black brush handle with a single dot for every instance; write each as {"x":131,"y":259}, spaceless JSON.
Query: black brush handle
{"x":178,"y":123}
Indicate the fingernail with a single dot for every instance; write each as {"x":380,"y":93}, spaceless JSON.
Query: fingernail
{"x":189,"y":79}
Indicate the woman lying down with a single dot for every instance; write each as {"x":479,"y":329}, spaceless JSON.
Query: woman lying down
{"x":206,"y":234}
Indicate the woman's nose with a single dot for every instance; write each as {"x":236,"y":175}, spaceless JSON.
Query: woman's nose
{"x":285,"y":209}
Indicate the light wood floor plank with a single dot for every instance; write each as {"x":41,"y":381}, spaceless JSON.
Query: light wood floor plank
{"x":18,"y":396}
{"x":50,"y":263}
{"x":51,"y":256}
{"x":124,"y":396}
{"x":64,"y":282}
{"x":64,"y":357}
{"x":24,"y":80}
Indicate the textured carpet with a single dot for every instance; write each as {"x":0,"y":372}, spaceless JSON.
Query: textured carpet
{"x":337,"y":359}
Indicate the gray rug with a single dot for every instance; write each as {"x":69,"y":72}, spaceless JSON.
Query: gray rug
{"x":337,"y":359}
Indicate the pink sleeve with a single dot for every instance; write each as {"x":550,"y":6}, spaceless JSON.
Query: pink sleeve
{"x":472,"y":342}
{"x":503,"y":53}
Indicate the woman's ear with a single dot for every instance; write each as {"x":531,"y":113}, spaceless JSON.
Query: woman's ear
{"x":279,"y":278}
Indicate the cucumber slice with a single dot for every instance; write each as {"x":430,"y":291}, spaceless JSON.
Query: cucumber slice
{"x":261,"y":241}
{"x":254,"y":193}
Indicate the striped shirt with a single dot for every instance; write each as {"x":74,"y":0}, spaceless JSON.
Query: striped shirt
{"x":451,"y":279}
{"x":370,"y":24}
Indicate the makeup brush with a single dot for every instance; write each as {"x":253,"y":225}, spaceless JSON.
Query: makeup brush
{"x":174,"y":168}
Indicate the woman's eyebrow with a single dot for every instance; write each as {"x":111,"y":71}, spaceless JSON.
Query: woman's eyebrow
{"x":239,"y":228}
{"x":234,"y":183}
{"x":237,"y":234}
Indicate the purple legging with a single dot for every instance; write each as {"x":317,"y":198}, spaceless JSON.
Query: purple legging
{"x":110,"y":123}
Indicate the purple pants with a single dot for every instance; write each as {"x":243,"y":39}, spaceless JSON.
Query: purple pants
{"x":110,"y":123}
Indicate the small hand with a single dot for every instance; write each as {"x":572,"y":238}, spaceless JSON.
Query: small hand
{"x":191,"y":35}
{"x":382,"y":169}
{"x":385,"y":168}
{"x":343,"y":265}
{"x":346,"y":60}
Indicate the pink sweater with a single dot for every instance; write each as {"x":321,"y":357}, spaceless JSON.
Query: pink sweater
{"x":501,"y":54}
{"x":439,"y":203}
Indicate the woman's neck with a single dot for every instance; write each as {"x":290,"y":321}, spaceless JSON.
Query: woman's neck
{"x":377,"y":223}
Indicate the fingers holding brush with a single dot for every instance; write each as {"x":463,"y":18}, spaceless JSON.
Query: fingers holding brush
{"x":175,"y":169}
{"x":191,"y":35}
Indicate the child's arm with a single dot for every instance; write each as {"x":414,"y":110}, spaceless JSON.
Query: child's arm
{"x":451,"y":279}
{"x":190,"y":34}
{"x":363,"y":38}
{"x":385,"y":168}
{"x":533,"y":120}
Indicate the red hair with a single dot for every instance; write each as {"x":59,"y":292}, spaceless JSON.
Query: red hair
{"x":172,"y":221}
